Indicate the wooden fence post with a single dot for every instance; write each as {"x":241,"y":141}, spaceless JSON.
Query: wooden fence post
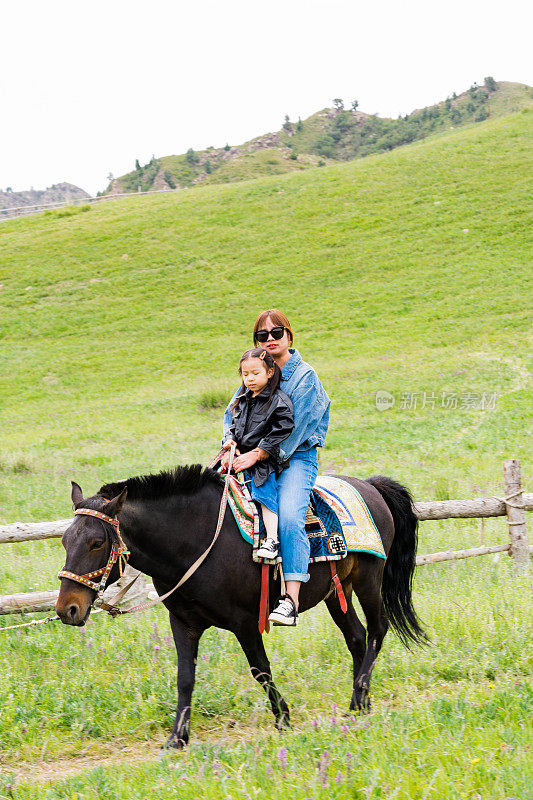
{"x":516,"y":516}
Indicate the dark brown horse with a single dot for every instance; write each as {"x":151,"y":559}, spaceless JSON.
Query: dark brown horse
{"x":168,"y":520}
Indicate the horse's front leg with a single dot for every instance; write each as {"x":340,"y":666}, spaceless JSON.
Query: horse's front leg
{"x":252,"y":643}
{"x":186,"y":641}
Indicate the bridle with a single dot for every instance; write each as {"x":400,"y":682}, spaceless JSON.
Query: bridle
{"x":119,"y":552}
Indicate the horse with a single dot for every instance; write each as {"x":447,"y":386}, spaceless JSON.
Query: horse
{"x":167,"y":520}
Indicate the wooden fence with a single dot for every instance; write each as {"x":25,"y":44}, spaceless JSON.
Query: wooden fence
{"x":9,"y":212}
{"x":513,"y":505}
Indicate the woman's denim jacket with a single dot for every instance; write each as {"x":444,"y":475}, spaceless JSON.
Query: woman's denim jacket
{"x":311,"y":406}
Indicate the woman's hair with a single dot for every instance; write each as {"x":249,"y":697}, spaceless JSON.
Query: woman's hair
{"x":277,"y":317}
{"x":273,"y":382}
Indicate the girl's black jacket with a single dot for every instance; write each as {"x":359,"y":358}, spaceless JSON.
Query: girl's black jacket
{"x":256,"y":425}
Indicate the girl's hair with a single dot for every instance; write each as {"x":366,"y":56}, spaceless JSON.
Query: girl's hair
{"x":277,"y":317}
{"x":268,"y":361}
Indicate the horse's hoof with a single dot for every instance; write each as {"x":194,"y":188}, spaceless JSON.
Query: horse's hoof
{"x":173,"y":743}
{"x":362,"y":703}
{"x":283,"y":724}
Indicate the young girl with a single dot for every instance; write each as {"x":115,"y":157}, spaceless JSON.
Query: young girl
{"x":262,"y":418}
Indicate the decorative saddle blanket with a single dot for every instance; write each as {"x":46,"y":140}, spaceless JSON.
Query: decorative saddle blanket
{"x":337,"y":520}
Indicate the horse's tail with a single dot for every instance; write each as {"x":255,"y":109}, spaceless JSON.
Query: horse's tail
{"x":397,"y":583}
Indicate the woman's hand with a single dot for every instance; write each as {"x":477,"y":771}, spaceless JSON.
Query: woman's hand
{"x":246,"y":461}
{"x":225,"y":457}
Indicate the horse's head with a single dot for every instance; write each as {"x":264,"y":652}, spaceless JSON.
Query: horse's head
{"x":92,"y":543}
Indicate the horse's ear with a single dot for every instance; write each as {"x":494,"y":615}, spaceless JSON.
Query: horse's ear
{"x":77,"y":494}
{"x":114,"y":507}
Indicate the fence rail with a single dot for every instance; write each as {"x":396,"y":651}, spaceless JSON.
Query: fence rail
{"x":513,"y":505}
{"x":11,"y":212}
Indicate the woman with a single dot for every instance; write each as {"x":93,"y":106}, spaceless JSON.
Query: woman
{"x":273,"y":333}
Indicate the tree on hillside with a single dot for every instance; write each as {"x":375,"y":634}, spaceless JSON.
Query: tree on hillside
{"x":455,"y":115}
{"x":491,"y":84}
{"x":299,"y":124}
{"x":169,"y":180}
{"x":191,"y":156}
{"x":227,"y":147}
{"x":207,"y":167}
{"x":287,"y":126}
{"x":137,"y":165}
{"x":338,"y":103}
{"x":110,"y":178}
{"x":355,"y":105}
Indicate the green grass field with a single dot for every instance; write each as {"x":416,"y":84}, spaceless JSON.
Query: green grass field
{"x":121,"y":331}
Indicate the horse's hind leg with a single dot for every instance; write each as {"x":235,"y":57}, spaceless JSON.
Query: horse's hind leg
{"x":252,"y":643}
{"x":368,"y":590}
{"x":353,"y":632}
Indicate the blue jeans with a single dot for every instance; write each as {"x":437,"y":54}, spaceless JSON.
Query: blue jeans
{"x":267,"y":494}
{"x":294,"y":488}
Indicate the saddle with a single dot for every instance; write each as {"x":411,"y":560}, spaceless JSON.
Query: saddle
{"x":337,"y":520}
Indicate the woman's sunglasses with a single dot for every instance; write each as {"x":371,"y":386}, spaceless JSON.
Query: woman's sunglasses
{"x":276,"y":333}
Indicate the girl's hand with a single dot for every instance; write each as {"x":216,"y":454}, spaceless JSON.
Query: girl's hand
{"x":246,"y":460}
{"x":225,"y":457}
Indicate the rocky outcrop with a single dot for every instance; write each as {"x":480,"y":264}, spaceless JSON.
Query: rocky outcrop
{"x":58,"y":193}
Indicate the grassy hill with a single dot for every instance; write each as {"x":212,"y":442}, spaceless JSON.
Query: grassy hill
{"x":121,"y":331}
{"x":336,"y":134}
{"x":400,"y":272}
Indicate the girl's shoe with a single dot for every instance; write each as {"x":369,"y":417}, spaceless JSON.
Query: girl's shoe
{"x":285,"y":612}
{"x":268,"y":549}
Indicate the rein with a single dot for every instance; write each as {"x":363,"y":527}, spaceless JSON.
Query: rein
{"x":121,"y":553}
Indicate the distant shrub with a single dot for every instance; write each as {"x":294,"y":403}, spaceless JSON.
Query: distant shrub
{"x":213,"y":398}
{"x":491,"y":84}
{"x":169,"y":179}
{"x":208,"y":167}
{"x":67,"y":211}
{"x":455,"y":115}
{"x":21,"y":467}
{"x":287,"y":125}
{"x":324,"y":146}
{"x":321,"y":163}
{"x":293,"y":156}
{"x":191,"y":157}
{"x":299,"y":125}
{"x":227,"y":147}
{"x":481,"y":115}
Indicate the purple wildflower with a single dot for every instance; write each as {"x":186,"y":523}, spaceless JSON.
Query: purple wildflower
{"x":348,"y":760}
{"x":323,"y":764}
{"x":339,"y":777}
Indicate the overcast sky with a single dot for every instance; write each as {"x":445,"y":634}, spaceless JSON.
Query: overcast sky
{"x":86,"y":88}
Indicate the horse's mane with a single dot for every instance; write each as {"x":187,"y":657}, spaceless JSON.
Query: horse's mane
{"x":180,"y":480}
